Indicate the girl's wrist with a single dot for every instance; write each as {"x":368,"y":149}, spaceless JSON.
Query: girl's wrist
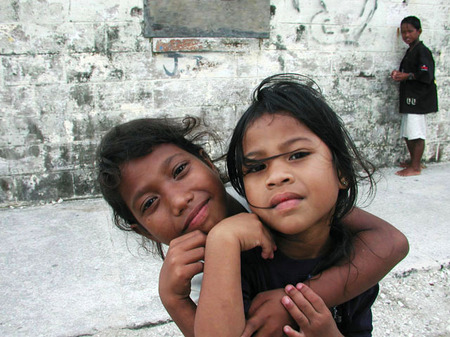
{"x":172,"y":303}
{"x":221,"y":236}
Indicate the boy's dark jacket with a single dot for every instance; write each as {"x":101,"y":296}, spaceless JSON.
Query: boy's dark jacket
{"x":418,"y":96}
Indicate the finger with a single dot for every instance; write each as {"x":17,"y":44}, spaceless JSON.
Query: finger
{"x":316,"y":301}
{"x":193,"y":269}
{"x":294,"y":311}
{"x":187,"y":265}
{"x":259,"y":300}
{"x":189,"y":240}
{"x":264,"y":332}
{"x":301,"y":302}
{"x":178,"y":257}
{"x":291,"y":332}
{"x":193,"y":255}
{"x":251,"y":326}
{"x":267,"y":244}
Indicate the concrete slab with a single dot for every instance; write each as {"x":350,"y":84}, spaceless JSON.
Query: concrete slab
{"x":65,"y":270}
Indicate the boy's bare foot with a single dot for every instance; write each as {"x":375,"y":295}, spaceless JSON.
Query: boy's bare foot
{"x":407,"y":172}
{"x":406,"y":164}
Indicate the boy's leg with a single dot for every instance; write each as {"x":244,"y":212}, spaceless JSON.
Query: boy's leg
{"x":416,"y":152}
{"x":416,"y":148}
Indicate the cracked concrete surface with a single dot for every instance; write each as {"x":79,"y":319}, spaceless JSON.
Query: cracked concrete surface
{"x":65,"y":270}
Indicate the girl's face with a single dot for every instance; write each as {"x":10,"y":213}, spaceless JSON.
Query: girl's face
{"x":409,"y":33}
{"x":172,"y":192}
{"x":295,"y":178}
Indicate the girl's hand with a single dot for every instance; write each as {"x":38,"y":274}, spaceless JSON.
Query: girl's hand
{"x":310,"y":313}
{"x":267,"y":316}
{"x":248,"y":230}
{"x":183,"y":261}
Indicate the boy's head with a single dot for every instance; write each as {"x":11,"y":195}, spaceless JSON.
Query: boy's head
{"x":412,"y":20}
{"x":292,"y":93}
{"x":131,"y":142}
{"x":411,"y":29}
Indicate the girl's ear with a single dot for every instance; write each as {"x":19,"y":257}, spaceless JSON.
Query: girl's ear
{"x":343,"y":182}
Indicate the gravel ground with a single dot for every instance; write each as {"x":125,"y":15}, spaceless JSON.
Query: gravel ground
{"x":414,"y":303}
{"x":411,"y":304}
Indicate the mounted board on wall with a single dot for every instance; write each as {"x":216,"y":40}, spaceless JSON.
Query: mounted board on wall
{"x":207,"y":18}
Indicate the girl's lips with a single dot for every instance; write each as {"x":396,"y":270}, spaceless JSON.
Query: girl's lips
{"x":285,"y":200}
{"x":196,"y":217}
{"x":288,"y":204}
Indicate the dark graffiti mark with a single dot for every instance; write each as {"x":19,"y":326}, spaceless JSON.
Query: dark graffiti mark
{"x":341,"y":24}
{"x":273,"y":10}
{"x":136,"y":12}
{"x":299,"y":32}
{"x":198,"y":63}
{"x":175,"y":67}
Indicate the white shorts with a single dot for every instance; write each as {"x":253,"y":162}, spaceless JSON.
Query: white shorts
{"x":413,"y":126}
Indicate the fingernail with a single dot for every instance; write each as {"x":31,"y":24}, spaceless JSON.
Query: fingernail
{"x":299,"y":286}
{"x":285,"y":300}
{"x":289,"y":288}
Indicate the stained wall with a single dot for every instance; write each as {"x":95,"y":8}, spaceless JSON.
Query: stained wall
{"x":70,"y":70}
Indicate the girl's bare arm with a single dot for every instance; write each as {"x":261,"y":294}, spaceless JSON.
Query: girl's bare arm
{"x":220,"y":311}
{"x":183,"y":261}
{"x":379,"y":246}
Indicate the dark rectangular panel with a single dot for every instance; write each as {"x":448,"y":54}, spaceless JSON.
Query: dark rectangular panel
{"x":207,"y":18}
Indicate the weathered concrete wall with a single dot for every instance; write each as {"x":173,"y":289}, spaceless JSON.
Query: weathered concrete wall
{"x":71,"y":69}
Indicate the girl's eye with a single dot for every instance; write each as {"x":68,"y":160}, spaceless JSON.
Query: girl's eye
{"x":179,"y":169}
{"x":254,"y":168}
{"x":298,"y":155}
{"x":148,"y":203}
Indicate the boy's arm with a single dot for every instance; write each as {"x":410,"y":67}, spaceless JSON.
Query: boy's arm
{"x":378,"y":246}
{"x":220,"y":310}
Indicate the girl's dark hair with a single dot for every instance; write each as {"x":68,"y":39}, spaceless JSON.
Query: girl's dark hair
{"x":412,"y":20}
{"x":293,"y":94}
{"x":132,"y":140}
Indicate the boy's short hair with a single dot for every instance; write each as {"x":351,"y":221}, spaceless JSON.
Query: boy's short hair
{"x":412,"y":20}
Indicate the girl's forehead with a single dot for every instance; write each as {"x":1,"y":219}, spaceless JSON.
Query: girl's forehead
{"x":282,"y":128}
{"x":271,"y":120}
{"x":159,"y":157}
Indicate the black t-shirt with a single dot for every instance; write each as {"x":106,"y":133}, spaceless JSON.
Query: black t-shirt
{"x":353,"y":318}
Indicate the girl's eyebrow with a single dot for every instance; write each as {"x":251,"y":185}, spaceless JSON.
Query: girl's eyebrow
{"x":249,"y":161}
{"x":282,"y":145}
{"x":168,"y":160}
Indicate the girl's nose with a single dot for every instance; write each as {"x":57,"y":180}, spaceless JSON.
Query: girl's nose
{"x":179,"y":201}
{"x":278,"y":175}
